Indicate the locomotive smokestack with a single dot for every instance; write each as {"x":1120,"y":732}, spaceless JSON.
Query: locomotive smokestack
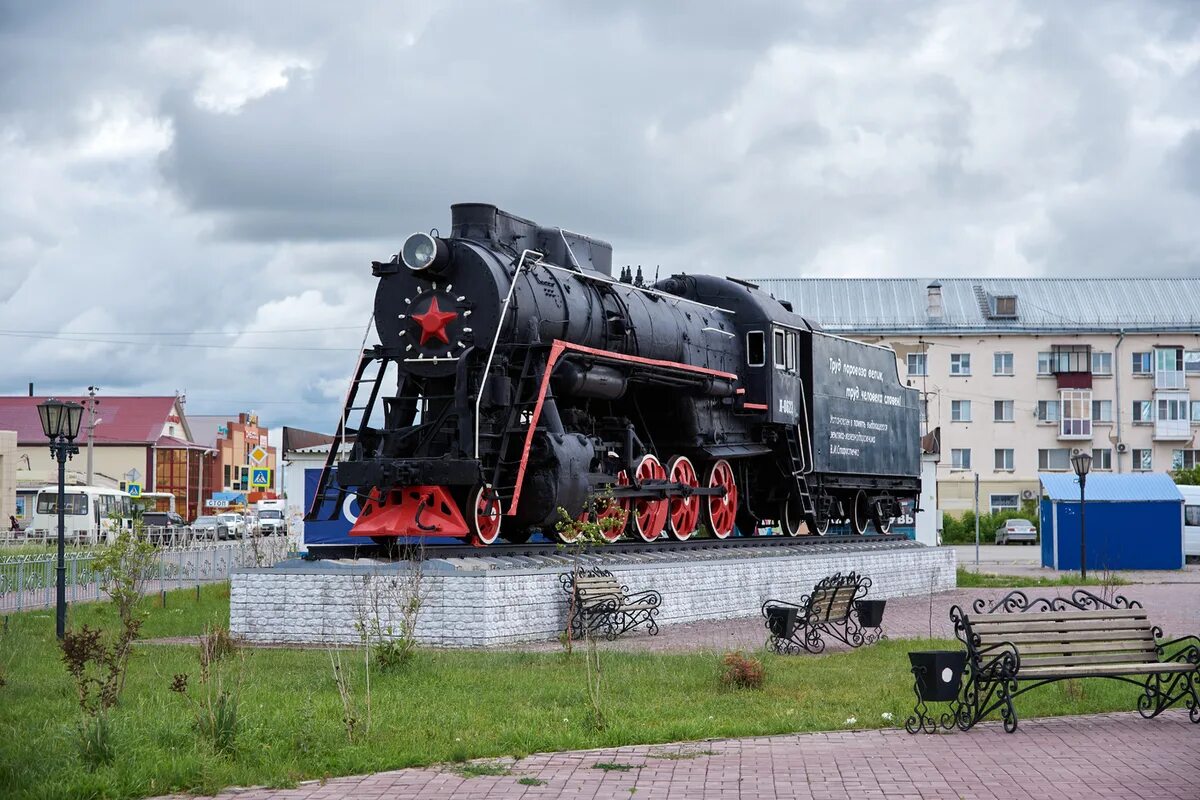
{"x":934,"y":309}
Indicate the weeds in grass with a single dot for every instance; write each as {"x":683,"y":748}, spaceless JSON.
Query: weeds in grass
{"x":93,"y":741}
{"x":1073,"y":688}
{"x":742,"y":671}
{"x":528,"y":781}
{"x":475,"y":769}
{"x":593,"y":676}
{"x":387,"y":608}
{"x":967,"y":579}
{"x":5,"y":652}
{"x":609,"y":766}
{"x":356,"y":715}
{"x":684,"y":755}
{"x":214,"y":705}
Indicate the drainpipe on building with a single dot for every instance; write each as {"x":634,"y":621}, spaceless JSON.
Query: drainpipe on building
{"x":1117,"y":388}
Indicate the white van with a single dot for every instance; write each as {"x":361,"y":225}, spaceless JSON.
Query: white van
{"x":1191,"y":522}
{"x":89,"y":514}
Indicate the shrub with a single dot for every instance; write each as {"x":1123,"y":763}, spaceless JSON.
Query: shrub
{"x":961,"y":529}
{"x":742,"y":671}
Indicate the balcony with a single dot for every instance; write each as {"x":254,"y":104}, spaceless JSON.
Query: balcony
{"x":1170,"y":379}
{"x":1172,"y":430}
{"x":1075,"y":429}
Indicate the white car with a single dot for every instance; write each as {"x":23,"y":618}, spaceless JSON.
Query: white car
{"x":236,"y":524}
{"x":271,"y":522}
{"x":1016,"y":530}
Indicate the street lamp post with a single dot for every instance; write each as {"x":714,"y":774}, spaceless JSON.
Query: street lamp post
{"x":60,"y":423}
{"x":1082,"y":462}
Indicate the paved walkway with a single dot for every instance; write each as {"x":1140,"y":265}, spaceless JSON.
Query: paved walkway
{"x":1069,"y":758}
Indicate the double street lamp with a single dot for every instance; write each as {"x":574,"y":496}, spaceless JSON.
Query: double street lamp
{"x":1082,"y":462}
{"x":60,"y":423}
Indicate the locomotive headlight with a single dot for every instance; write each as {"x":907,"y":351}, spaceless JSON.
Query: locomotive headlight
{"x":423,"y":252}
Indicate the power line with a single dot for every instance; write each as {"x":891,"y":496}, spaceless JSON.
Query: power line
{"x":183,"y":333}
{"x":180,"y":344}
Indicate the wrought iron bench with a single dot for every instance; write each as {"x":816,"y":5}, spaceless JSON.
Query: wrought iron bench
{"x":831,"y":608}
{"x":1018,"y":644}
{"x":598,"y":603}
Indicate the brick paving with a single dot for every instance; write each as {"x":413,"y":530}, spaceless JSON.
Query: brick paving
{"x":1068,"y":758}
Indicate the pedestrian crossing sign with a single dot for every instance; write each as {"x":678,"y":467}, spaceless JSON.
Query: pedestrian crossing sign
{"x":260,"y":477}
{"x":134,"y":489}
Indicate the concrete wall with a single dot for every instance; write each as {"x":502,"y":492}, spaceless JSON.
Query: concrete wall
{"x":8,"y":476}
{"x":466,"y":607}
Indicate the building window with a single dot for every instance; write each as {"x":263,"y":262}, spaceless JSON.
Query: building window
{"x":1196,"y":411}
{"x":1143,"y":363}
{"x":1044,"y":360}
{"x":226,"y":475}
{"x":960,"y":458}
{"x":1191,"y":362}
{"x":1185,"y":459}
{"x":1172,"y":410}
{"x":1191,"y":516}
{"x":1101,"y":363}
{"x":960,"y":363}
{"x":1102,"y":411}
{"x":756,"y":349}
{"x":1076,"y":409}
{"x":1002,"y":410}
{"x":1143,"y":460}
{"x":960,"y":410}
{"x":1005,"y":502}
{"x":1102,"y":459}
{"x":1066,"y":358}
{"x":1004,"y":460}
{"x":1168,"y":368}
{"x":1143,"y":412}
{"x":1002,"y":364}
{"x":21,"y":507}
{"x":918,"y":364}
{"x":1056,"y":459}
{"x":1047,"y":411}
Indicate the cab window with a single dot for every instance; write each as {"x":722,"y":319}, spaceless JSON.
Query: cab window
{"x":785,"y":349}
{"x":756,"y":349}
{"x":780,"y":350}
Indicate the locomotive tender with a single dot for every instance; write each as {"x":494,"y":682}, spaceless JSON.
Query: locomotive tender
{"x":518,"y":377}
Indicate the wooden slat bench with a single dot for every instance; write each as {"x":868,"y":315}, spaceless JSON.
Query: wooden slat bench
{"x":597,"y":602}
{"x":1020,"y":644}
{"x":830,"y":608}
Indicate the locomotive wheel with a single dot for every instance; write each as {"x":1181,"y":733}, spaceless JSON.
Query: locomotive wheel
{"x":613,"y":515}
{"x":818,"y":526}
{"x":882,"y":523}
{"x":791,"y":515}
{"x":484,"y":518}
{"x":684,"y":513}
{"x":860,"y":513}
{"x":720,"y":512}
{"x":649,"y":516}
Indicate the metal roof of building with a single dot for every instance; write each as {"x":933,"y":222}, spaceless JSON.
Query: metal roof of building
{"x":888,"y":305}
{"x":121,"y":420}
{"x":1137,"y":487}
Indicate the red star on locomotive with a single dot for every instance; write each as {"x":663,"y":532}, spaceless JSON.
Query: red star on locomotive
{"x":695,"y":404}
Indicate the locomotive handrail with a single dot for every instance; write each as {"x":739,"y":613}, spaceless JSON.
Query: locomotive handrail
{"x":665,"y":295}
{"x":487,"y":367}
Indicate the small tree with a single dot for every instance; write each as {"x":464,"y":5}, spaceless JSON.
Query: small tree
{"x":593,"y":528}
{"x":1187,"y":477}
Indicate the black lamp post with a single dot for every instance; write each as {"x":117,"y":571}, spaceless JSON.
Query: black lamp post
{"x":1082,"y":462}
{"x":60,"y":423}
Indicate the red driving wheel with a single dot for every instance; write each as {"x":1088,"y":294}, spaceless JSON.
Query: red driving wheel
{"x":684,"y":513}
{"x":649,"y":516}
{"x":618,"y":510}
{"x":721,"y":510}
{"x":484,"y":521}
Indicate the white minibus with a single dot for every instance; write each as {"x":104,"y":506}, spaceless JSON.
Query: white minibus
{"x":1191,"y":522}
{"x":89,"y":514}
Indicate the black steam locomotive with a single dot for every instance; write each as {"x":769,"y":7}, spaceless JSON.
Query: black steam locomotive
{"x":517,"y":377}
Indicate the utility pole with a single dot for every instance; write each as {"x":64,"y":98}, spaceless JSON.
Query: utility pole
{"x":92,"y":403}
{"x":977,"y":522}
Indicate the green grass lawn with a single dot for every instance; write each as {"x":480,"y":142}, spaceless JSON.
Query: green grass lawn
{"x":985,"y":580}
{"x":444,"y":706}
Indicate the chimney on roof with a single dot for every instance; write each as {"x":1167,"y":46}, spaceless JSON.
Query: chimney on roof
{"x":31,"y":388}
{"x":933,"y":308}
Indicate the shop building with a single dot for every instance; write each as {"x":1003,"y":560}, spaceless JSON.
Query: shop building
{"x":240,"y":446}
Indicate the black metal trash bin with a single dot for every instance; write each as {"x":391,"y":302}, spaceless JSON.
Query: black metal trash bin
{"x":870,"y":612}
{"x":781,"y":620}
{"x":938,"y":673}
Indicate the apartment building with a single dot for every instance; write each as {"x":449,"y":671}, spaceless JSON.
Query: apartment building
{"x":1019,"y":374}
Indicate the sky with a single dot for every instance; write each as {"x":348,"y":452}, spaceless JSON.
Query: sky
{"x":193,"y":192}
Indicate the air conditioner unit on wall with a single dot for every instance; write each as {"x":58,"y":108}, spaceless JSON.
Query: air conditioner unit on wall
{"x":1074,"y":451}
{"x":1122,"y":447}
{"x":1027,"y":494}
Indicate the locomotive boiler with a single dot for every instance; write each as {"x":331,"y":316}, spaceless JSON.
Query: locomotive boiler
{"x":518,"y":379}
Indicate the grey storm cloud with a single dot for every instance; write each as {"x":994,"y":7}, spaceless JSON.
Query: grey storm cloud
{"x":208,"y":182}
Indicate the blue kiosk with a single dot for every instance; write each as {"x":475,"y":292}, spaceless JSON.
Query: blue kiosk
{"x":1133,"y":521}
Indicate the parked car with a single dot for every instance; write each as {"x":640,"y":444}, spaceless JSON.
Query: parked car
{"x":1017,"y":530}
{"x":236,"y":524}
{"x":162,"y":525}
{"x":271,"y":522}
{"x":210,"y":528}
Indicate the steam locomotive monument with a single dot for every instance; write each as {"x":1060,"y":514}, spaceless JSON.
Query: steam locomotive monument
{"x":517,"y":379}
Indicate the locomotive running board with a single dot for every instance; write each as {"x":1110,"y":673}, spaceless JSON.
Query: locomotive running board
{"x":557,"y":349}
